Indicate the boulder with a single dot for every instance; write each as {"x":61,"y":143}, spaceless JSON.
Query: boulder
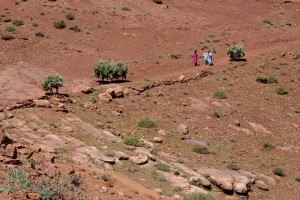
{"x":242,"y":185}
{"x":87,"y":89}
{"x":121,"y":155}
{"x":119,"y":92}
{"x":1,"y":109}
{"x":224,"y":182}
{"x":140,"y":159}
{"x":111,"y":92}
{"x":199,"y":180}
{"x":141,"y":150}
{"x":90,"y":106}
{"x":2,"y":116}
{"x":106,"y":97}
{"x":181,"y":78}
{"x":197,"y":143}
{"x":157,"y":140}
{"x":4,"y":139}
{"x":108,"y":159}
{"x":42,"y":103}
{"x":183,"y":129}
{"x":162,"y":133}
{"x":11,"y":151}
{"x":34,"y":196}
{"x":262,"y":185}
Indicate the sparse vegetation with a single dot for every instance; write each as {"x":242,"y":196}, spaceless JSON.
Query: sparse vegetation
{"x":267,"y":146}
{"x":17,"y":22}
{"x":148,"y":80}
{"x":162,"y":167}
{"x":220,"y":95}
{"x":267,"y":80}
{"x":39,"y":34}
{"x":75,"y":28}
{"x":133,"y":141}
{"x":147,"y":123}
{"x":125,"y":8}
{"x":278,"y":171}
{"x":7,"y":37}
{"x":199,"y":196}
{"x":34,"y":24}
{"x":53,"y":81}
{"x":157,"y":177}
{"x":60,"y":24}
{"x":268,"y":22}
{"x":236,"y":52}
{"x":6,"y":20}
{"x":281,"y":91}
{"x":70,"y":16}
{"x":201,"y":150}
{"x":232,"y":165}
{"x":10,"y":29}
{"x":175,"y":56}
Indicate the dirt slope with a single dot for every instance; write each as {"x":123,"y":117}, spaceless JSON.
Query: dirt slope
{"x":255,"y":128}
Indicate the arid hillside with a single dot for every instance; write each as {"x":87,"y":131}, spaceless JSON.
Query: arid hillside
{"x":172,"y":130}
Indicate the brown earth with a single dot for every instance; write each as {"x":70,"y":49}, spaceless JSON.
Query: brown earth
{"x":254,"y":127}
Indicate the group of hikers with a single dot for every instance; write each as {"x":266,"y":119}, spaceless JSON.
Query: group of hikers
{"x":207,"y":58}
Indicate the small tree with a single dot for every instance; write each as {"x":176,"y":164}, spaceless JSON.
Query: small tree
{"x":236,"y":52}
{"x":53,"y":81}
{"x":110,"y":70}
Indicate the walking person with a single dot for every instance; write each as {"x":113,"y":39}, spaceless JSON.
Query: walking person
{"x":195,"y":58}
{"x":205,"y":56}
{"x":210,"y":58}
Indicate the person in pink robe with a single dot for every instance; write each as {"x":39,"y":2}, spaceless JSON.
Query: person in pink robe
{"x":195,"y":58}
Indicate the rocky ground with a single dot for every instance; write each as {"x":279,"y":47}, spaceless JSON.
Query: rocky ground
{"x":172,"y":129}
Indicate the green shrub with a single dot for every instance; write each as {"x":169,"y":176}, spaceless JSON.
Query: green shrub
{"x":267,"y":146}
{"x":17,"y":22}
{"x":133,"y":141}
{"x":175,"y":56}
{"x":198,"y":196}
{"x":75,"y":28}
{"x":39,"y":34}
{"x":236,"y":52}
{"x":267,"y":80}
{"x":162,"y":167}
{"x":110,"y":70}
{"x":53,"y":81}
{"x":6,"y":20}
{"x":60,"y":24}
{"x":70,"y":16}
{"x":10,"y":29}
{"x":7,"y":37}
{"x":157,"y":177}
{"x":201,"y":150}
{"x":278,"y":171}
{"x":147,"y":123}
{"x":220,"y":95}
{"x":281,"y":91}
{"x":268,"y":22}
{"x":19,"y":177}
{"x":233,"y":166}
{"x":34,"y":24}
{"x":126,"y":8}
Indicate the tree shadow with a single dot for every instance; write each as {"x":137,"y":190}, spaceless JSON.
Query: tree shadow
{"x":239,"y":60}
{"x":106,"y":82}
